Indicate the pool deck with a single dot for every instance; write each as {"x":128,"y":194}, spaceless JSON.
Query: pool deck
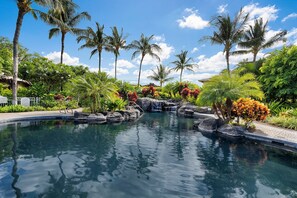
{"x":264,"y":132}
{"x":36,"y":115}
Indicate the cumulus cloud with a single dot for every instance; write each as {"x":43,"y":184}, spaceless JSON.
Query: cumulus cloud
{"x":293,"y":15}
{"x":159,"y":38}
{"x":192,"y":20}
{"x":267,"y":13}
{"x":222,"y":9}
{"x":197,"y":76}
{"x":122,"y":63}
{"x":292,"y":36}
{"x":195,"y":49}
{"x":67,"y":59}
{"x":120,"y":71}
{"x":217,"y":62}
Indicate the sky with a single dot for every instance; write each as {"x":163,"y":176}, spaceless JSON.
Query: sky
{"x":176,"y":25}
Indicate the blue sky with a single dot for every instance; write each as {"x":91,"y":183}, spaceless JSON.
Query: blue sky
{"x":177,"y":25}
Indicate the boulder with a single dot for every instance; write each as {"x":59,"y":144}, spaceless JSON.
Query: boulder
{"x":98,"y":118}
{"x":114,"y":117}
{"x":79,"y":114}
{"x":202,"y":116}
{"x":205,"y":110}
{"x":209,"y":125}
{"x":232,"y":132}
{"x":181,"y":110}
{"x":169,"y":106}
{"x":150,"y":104}
{"x":189,"y":113}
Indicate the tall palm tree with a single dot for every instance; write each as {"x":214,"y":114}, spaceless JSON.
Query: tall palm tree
{"x":144,"y":47}
{"x":65,"y":21}
{"x":228,"y":32}
{"x":94,"y":39}
{"x":255,"y":38}
{"x":161,"y":75}
{"x":116,"y":42}
{"x":25,"y":7}
{"x":182,"y":63}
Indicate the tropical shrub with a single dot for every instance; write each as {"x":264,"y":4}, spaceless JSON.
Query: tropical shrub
{"x":283,"y":121}
{"x":48,"y":101}
{"x":249,"y":110}
{"x":116,"y":104}
{"x":148,"y":91}
{"x":94,"y":90}
{"x":279,"y":74}
{"x":20,"y":108}
{"x":186,"y":92}
{"x":222,"y":89}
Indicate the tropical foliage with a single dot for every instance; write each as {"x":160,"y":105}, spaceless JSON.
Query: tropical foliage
{"x":161,"y":75}
{"x":65,"y":21}
{"x":221,"y":90}
{"x":94,"y":91}
{"x":116,"y":42}
{"x":95,"y":40}
{"x":279,"y":74}
{"x":255,"y":39}
{"x":249,"y":110}
{"x":144,"y":47}
{"x":228,"y":32}
{"x":182,"y":63}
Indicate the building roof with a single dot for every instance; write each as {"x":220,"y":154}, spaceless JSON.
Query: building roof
{"x":8,"y":80}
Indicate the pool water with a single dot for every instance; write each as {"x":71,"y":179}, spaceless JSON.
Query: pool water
{"x":157,"y":156}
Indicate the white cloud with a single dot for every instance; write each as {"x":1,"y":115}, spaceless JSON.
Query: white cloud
{"x":195,"y":49}
{"x":144,"y":73}
{"x":122,"y":63}
{"x":167,"y":50}
{"x":222,"y":9}
{"x":67,"y":59}
{"x":120,"y":71}
{"x":192,"y":20}
{"x":293,"y":15}
{"x":159,"y":38}
{"x":267,"y":13}
{"x":292,"y":36}
{"x":217,"y":62}
{"x":197,"y":76}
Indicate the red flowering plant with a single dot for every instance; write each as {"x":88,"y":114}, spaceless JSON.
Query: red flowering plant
{"x":194,"y":93}
{"x":148,"y":90}
{"x":132,"y":96}
{"x":145,"y":91}
{"x":186,"y":92}
{"x":249,"y":110}
{"x":58,"y":97}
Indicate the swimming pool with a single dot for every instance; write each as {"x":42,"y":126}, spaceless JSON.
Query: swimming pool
{"x":157,"y":156}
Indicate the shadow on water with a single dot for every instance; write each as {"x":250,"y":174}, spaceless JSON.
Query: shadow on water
{"x":158,"y":156}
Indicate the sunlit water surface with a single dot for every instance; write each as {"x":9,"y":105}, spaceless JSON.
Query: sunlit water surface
{"x":158,"y":156}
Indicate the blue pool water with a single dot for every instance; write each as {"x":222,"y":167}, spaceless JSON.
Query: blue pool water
{"x":158,"y":156}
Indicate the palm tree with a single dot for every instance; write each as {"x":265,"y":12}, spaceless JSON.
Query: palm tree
{"x":25,"y":7}
{"x":93,"y":88}
{"x":65,"y":21}
{"x":143,"y":47}
{"x":161,"y":75}
{"x":254,"y":38}
{"x":182,"y":63}
{"x":94,"y":39}
{"x":221,"y":90}
{"x":115,"y":43}
{"x":228,"y":32}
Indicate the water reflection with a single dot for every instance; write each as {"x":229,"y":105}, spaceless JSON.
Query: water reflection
{"x":159,"y":156}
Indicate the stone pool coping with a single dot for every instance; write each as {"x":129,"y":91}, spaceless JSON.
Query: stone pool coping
{"x":268,"y":134}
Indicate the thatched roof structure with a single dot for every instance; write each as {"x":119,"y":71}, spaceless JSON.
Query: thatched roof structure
{"x":8,"y":80}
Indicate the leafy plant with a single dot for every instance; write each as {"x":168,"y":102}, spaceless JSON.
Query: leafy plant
{"x":222,"y":89}
{"x":249,"y":110}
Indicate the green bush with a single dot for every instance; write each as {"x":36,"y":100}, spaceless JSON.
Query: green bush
{"x":20,"y":108}
{"x":283,"y":121}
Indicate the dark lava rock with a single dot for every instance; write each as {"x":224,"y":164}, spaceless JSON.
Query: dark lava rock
{"x":209,"y":125}
{"x":114,"y":117}
{"x":230,"y":131}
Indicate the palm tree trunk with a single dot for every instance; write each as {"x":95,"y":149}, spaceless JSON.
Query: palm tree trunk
{"x":115,"y":66}
{"x":99,"y":53}
{"x":254,"y":57}
{"x":62,"y":47}
{"x":140,"y":71}
{"x":17,"y":32}
{"x":228,"y":64}
{"x":181,"y":74}
{"x":161,"y":83}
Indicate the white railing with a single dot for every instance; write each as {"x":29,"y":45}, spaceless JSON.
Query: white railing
{"x":34,"y":101}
